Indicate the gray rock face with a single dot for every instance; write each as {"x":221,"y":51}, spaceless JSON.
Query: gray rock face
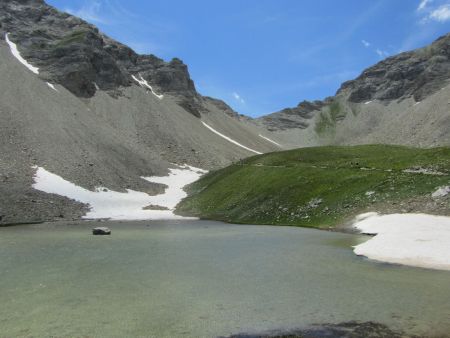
{"x":73,"y":53}
{"x":101,"y":231}
{"x":298,"y":117}
{"x":417,"y":73}
{"x":226,"y":109}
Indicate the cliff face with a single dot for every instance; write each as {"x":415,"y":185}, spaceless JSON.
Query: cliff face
{"x":288,"y":118}
{"x":416,"y":74}
{"x":73,"y":53}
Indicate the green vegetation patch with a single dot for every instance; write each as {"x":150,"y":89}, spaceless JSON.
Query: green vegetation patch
{"x":329,"y":117}
{"x":74,"y":37}
{"x":316,"y":187}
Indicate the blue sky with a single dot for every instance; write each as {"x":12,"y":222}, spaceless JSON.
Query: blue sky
{"x":264,"y":55}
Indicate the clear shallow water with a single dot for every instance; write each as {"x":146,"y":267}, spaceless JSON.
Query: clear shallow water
{"x":203,"y":279}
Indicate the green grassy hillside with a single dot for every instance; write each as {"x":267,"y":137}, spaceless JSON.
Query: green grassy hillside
{"x":316,"y":187}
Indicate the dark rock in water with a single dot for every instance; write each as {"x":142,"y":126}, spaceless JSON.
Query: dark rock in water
{"x":101,"y":231}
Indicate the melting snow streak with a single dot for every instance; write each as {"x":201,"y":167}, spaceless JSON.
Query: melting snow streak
{"x":268,"y":139}
{"x":52,"y":86}
{"x":144,"y":83}
{"x":230,"y":140}
{"x":19,"y":57}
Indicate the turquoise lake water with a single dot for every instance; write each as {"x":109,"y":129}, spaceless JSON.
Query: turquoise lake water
{"x":203,"y":279}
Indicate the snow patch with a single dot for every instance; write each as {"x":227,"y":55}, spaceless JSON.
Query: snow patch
{"x":52,"y":87}
{"x":369,"y":193}
{"x":424,"y":171}
{"x":230,"y":140}
{"x":16,"y":53}
{"x":368,"y":102}
{"x":128,"y":205}
{"x":410,"y":239}
{"x":144,"y":83}
{"x":268,"y":139}
{"x":416,"y":103}
{"x":441,"y":192}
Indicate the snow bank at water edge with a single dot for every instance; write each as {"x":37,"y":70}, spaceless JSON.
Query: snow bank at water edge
{"x":128,"y":205}
{"x":230,"y":139}
{"x":144,"y":83}
{"x":268,"y":139}
{"x":16,"y":53}
{"x":411,"y":239}
{"x":176,"y":181}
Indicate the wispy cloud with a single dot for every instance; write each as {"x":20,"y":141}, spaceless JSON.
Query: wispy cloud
{"x":381,"y":53}
{"x":441,"y":14}
{"x":238,"y":98}
{"x":89,"y":12}
{"x":365,"y":43}
{"x":423,"y":4}
{"x":437,"y":11}
{"x":342,"y":36}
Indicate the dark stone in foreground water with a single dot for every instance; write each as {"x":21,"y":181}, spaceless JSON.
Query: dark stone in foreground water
{"x":342,"y":330}
{"x":101,"y":231}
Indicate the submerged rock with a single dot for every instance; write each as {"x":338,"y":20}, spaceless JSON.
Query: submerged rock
{"x":101,"y":231}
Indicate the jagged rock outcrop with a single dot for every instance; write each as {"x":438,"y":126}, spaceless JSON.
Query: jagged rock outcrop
{"x":288,"y":118}
{"x":418,"y":74}
{"x":225,"y":108}
{"x":73,"y":53}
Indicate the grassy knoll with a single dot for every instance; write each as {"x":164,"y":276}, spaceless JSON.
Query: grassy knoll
{"x":316,"y":187}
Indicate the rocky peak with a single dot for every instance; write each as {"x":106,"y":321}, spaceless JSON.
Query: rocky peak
{"x":297,"y":117}
{"x":73,"y":53}
{"x":417,"y":74}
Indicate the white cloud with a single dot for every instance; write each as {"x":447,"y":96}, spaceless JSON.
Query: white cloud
{"x":441,"y":13}
{"x":89,"y":12}
{"x":365,"y":43}
{"x":423,"y":4}
{"x":238,"y":98}
{"x":381,"y":53}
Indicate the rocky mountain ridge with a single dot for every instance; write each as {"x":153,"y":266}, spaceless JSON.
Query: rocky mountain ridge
{"x":415,"y":75}
{"x":75,"y":54}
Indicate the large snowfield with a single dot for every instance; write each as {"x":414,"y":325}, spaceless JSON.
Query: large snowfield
{"x":419,"y":240}
{"x":128,"y":205}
